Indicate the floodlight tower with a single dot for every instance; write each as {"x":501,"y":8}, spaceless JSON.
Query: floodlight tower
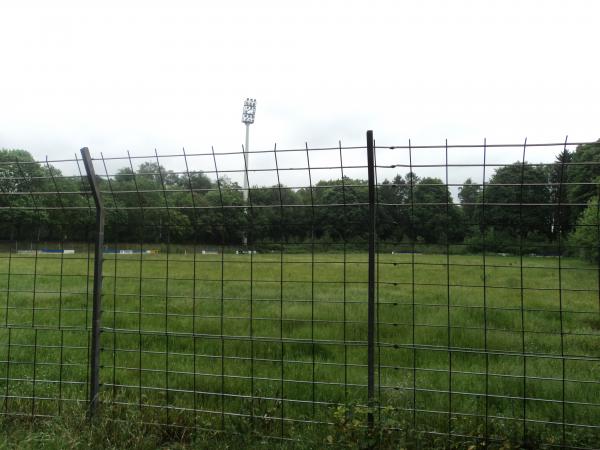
{"x":248,"y":114}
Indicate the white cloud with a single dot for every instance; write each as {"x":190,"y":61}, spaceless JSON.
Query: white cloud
{"x":146,"y":75}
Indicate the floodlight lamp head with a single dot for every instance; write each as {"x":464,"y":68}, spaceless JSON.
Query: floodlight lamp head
{"x":249,"y":111}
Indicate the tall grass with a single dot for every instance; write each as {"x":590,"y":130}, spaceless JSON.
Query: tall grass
{"x":274,"y":344}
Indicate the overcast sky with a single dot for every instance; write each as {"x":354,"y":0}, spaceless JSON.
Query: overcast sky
{"x":140,"y":75}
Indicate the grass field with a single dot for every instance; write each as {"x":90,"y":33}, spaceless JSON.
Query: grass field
{"x":276,"y":344}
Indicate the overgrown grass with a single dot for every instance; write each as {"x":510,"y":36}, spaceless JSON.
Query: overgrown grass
{"x":284,"y":339}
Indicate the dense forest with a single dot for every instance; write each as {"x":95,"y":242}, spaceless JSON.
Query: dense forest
{"x":542,"y":208}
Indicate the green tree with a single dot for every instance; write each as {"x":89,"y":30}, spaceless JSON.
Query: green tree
{"x":341,"y":211}
{"x":393,"y":221}
{"x":583,"y":168}
{"x":276,"y":214}
{"x":469,"y":195}
{"x":21,"y":179}
{"x":562,"y":214}
{"x":38,"y":202}
{"x":225,"y":219}
{"x":436,"y":218}
{"x":518,"y":202}
{"x":586,"y":235}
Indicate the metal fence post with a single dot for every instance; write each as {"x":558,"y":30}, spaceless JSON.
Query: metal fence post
{"x":97,"y":299}
{"x":371,"y":292}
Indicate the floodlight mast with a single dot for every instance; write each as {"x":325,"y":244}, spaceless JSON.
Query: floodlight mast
{"x":248,"y":114}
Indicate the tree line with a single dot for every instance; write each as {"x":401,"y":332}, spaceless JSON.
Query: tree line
{"x":523,"y":207}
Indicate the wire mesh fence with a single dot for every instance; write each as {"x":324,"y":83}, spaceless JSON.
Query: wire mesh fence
{"x":440,"y":293}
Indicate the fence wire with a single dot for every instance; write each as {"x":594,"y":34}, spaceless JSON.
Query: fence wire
{"x":484,"y":278}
